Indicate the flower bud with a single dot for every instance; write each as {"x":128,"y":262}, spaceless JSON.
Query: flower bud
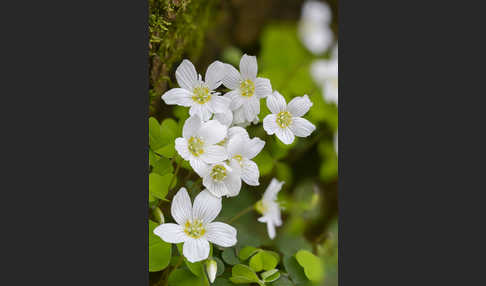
{"x":159,"y":216}
{"x":211,"y":269}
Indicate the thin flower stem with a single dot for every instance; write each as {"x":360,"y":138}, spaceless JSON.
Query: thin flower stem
{"x":241,"y":213}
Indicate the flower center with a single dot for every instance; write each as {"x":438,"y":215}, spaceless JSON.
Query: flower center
{"x":261,"y":207}
{"x":284,"y":118}
{"x":222,"y":142}
{"x":201,"y":94}
{"x":195,"y":146}
{"x":194,"y":229}
{"x":247,"y":88}
{"x":218,"y":173}
{"x":239,"y":158}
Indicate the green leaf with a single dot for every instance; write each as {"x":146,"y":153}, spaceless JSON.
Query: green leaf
{"x":243,"y":274}
{"x":246,"y":252}
{"x":270,"y":275}
{"x":162,"y":137}
{"x":197,"y":268}
{"x":159,"y":185}
{"x":283,"y":281}
{"x":222,"y":282}
{"x":155,"y":134}
{"x":312,"y":265}
{"x":184,"y":277}
{"x":229,"y":256}
{"x":220,"y":266}
{"x":263,"y":260}
{"x":296,"y":272}
{"x":162,"y":166}
{"x":160,"y":252}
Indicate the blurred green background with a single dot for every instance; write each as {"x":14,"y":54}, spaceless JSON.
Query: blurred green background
{"x":208,"y":30}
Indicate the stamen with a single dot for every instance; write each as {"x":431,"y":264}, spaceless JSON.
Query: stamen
{"x":195,"y":146}
{"x":201,"y":94}
{"x":218,"y":173}
{"x":284,"y":119}
{"x":247,"y":88}
{"x":194,"y":229}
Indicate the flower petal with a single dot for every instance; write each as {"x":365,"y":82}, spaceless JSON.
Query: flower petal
{"x":232,"y":79}
{"x":215,"y":74}
{"x":263,"y":87}
{"x":201,"y":110}
{"x":299,"y":106}
{"x":212,"y":132}
{"x":178,"y":96}
{"x":191,"y":125}
{"x":250,"y":172}
{"x":248,"y":67}
{"x":236,"y":145}
{"x":171,"y":233}
{"x":237,"y":131}
{"x":225,"y":118}
{"x":276,"y":102}
{"x":186,"y":75}
{"x":206,"y":207}
{"x":181,"y":208}
{"x":251,"y":109}
{"x":270,"y":124}
{"x":253,"y":147}
{"x":200,"y":167}
{"x":221,"y":234}
{"x":219,"y":104}
{"x":301,"y":127}
{"x":213,"y":154}
{"x":181,"y":148}
{"x":233,"y":183}
{"x":239,"y":116}
{"x":218,"y":189}
{"x":272,"y":190}
{"x":236,"y":99}
{"x":271,"y":229}
{"x":285,"y":135}
{"x":196,"y":249}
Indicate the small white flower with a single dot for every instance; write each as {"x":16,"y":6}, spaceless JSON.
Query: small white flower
{"x":269,"y":207}
{"x":211,"y":269}
{"x":241,"y":149}
{"x":325,"y":74}
{"x":198,"y":143}
{"x":196,"y":93}
{"x":194,"y":225}
{"x":285,"y":121}
{"x":222,"y":179}
{"x":314,"y":29}
{"x":246,"y":89}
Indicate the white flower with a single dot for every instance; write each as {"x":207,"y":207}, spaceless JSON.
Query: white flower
{"x":222,"y":179}
{"x":196,"y":93}
{"x":241,"y":149}
{"x":198,"y":143}
{"x":211,"y":269}
{"x":314,"y":29}
{"x":285,"y":121}
{"x":246,"y":89}
{"x":325,"y":73}
{"x":194,"y":225}
{"x":269,"y":207}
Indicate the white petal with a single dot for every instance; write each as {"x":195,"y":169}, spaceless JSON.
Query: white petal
{"x":239,"y":116}
{"x":225,"y":118}
{"x":276,"y":102}
{"x":272,"y":190}
{"x":263,"y":88}
{"x":171,"y":233}
{"x":270,"y":124}
{"x":206,"y":206}
{"x":248,"y":67}
{"x":219,"y":104}
{"x":236,"y":145}
{"x":212,"y":132}
{"x":221,"y":234}
{"x":181,"y":208}
{"x":196,"y":249}
{"x":200,"y":167}
{"x":301,"y":127}
{"x":250,"y":172}
{"x":251,"y":108}
{"x":214,"y":75}
{"x":238,"y":131}
{"x":186,"y":75}
{"x":233,"y":183}
{"x":201,"y":110}
{"x":285,"y":135}
{"x":232,"y":79}
{"x":191,"y":125}
{"x":253,"y":147}
{"x":237,"y":100}
{"x":271,"y":229}
{"x":178,"y":96}
{"x":181,"y":147}
{"x":218,"y":189}
{"x":214,"y":154}
{"x":299,"y":106}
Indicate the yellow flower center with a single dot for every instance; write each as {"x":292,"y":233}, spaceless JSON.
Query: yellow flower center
{"x":194,"y":229}
{"x":218,"y":173}
{"x":261,"y":207}
{"x":247,"y":88}
{"x":195,"y":146}
{"x":239,"y":158}
{"x":284,"y":118}
{"x":222,"y":142}
{"x":201,"y":94}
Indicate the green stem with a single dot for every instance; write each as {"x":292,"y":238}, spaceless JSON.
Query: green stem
{"x":241,"y":213}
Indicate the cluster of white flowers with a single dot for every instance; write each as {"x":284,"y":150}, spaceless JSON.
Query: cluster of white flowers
{"x":220,"y":150}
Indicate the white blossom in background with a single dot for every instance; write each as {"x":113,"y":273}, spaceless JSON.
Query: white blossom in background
{"x":246,"y":90}
{"x":222,"y":179}
{"x":314,"y":30}
{"x":269,"y":207}
{"x":196,"y":93}
{"x":241,"y":149}
{"x":285,"y":120}
{"x":325,"y":73}
{"x":198,"y":143}
{"x":194,"y":225}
